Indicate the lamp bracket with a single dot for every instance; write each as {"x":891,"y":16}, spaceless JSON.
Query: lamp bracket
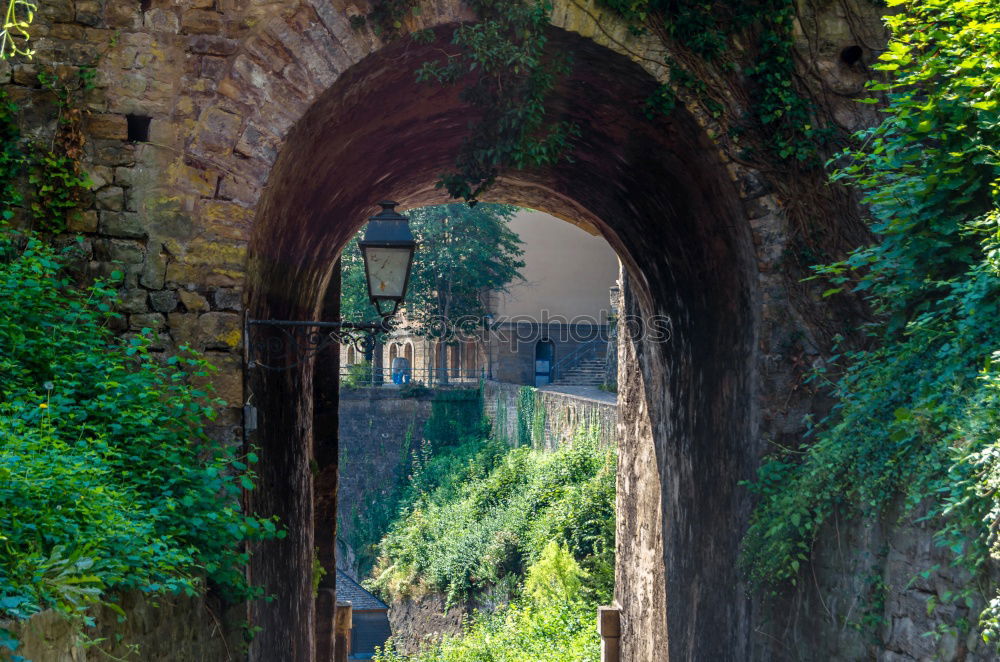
{"x":284,"y":344}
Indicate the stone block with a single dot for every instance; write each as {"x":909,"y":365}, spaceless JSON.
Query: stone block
{"x":25,"y":74}
{"x":122,"y":224}
{"x":227,"y":382}
{"x":112,"y":152}
{"x":133,"y":301}
{"x":225,"y":220}
{"x":193,"y":302}
{"x":66,"y":32}
{"x":239,"y":190}
{"x":162,"y":20}
{"x":212,"y":67}
{"x":82,"y":221}
{"x":192,"y":178}
{"x":57,"y":11}
{"x":154,"y":321}
{"x":123,"y":15}
{"x":100,"y":176}
{"x":103,"y":270}
{"x":219,"y":330}
{"x":207,"y":44}
{"x":89,"y":12}
{"x":201,"y":21}
{"x":163,"y":301}
{"x":118,"y":250}
{"x":183,"y":327}
{"x":111,"y":198}
{"x":168,"y":220}
{"x":106,"y":126}
{"x":154,"y":269}
{"x":125,"y":176}
{"x":227,"y":298}
{"x":217,"y":131}
{"x":256,"y":142}
{"x":5,"y":71}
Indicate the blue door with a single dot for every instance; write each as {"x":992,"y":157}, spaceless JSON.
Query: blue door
{"x":544,"y":354}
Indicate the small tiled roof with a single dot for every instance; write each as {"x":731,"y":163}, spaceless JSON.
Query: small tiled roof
{"x":349,"y":590}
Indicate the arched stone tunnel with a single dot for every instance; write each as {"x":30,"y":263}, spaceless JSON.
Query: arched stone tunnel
{"x":274,"y":127}
{"x":657,"y":191}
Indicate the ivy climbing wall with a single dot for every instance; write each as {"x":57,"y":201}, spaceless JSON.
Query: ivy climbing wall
{"x":232,"y":148}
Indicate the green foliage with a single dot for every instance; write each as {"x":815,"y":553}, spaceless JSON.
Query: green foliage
{"x":456,"y":416}
{"x":526,"y":403}
{"x":463,"y":253}
{"x":359,"y":375}
{"x":60,"y":188}
{"x":108,"y":479}
{"x":14,"y":36}
{"x":917,"y":416}
{"x":509,"y":73}
{"x":784,"y":117}
{"x":552,"y":622}
{"x":452,"y":436}
{"x":479,"y":527}
{"x":555,"y":577}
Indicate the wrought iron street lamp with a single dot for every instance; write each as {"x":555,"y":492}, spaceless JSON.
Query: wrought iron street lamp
{"x":387,"y":249}
{"x":388,"y":253}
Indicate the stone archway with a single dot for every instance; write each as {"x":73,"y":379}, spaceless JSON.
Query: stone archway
{"x":247,"y":103}
{"x":658,"y":192}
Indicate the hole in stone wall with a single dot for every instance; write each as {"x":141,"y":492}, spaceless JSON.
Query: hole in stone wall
{"x":138,"y":128}
{"x":144,"y":5}
{"x":851,"y":55}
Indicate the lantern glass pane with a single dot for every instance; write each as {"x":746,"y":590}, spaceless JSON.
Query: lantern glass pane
{"x":387,"y":269}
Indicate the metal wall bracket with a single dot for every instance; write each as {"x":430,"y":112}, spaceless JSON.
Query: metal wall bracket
{"x":284,"y":344}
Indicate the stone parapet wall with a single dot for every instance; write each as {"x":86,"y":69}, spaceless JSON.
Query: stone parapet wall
{"x":377,"y":429}
{"x":160,"y":629}
{"x":554,"y":418}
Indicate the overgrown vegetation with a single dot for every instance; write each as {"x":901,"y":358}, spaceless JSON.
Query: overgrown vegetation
{"x":14,"y":36}
{"x":918,"y":415}
{"x":109,"y":479}
{"x":785,"y":121}
{"x":552,"y":621}
{"x":451,"y":436}
{"x":509,"y":73}
{"x":483,"y":513}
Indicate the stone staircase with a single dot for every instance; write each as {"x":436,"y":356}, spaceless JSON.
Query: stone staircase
{"x":588,"y":372}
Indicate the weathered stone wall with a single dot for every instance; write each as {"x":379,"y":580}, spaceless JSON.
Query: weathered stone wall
{"x":377,"y":428}
{"x":270,"y":137}
{"x":565,"y":415}
{"x":883,"y":589}
{"x":420,"y":621}
{"x":164,"y":629}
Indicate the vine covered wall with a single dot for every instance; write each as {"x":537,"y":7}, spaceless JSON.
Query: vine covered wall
{"x":192,"y":108}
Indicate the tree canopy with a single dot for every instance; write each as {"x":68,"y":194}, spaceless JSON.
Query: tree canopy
{"x":462,"y":254}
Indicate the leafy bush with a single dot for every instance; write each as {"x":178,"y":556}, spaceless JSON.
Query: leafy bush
{"x":552,"y":622}
{"x":485,"y":524}
{"x":918,"y":415}
{"x":108,"y":479}
{"x":358,"y":375}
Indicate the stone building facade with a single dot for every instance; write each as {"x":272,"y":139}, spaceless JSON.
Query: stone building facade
{"x":273,"y":127}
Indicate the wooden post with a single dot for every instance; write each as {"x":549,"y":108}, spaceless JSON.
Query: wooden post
{"x":609,"y":627}
{"x":326,"y":603}
{"x":342,"y":626}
